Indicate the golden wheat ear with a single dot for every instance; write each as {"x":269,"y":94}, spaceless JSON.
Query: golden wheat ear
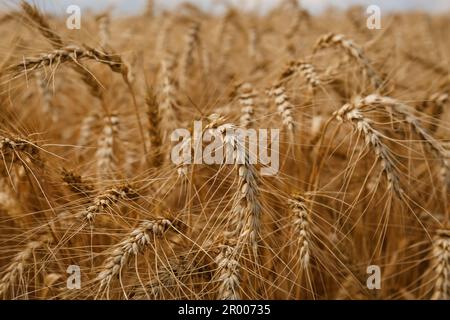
{"x":441,"y":266}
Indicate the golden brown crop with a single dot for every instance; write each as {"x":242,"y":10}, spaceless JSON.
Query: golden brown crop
{"x":86,"y":177}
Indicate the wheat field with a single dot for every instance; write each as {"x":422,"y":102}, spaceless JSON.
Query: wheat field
{"x":87,"y":182}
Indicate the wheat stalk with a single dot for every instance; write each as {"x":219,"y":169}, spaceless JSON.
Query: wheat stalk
{"x":12,"y":148}
{"x":165,"y":279}
{"x":86,"y":127}
{"x":41,"y":23}
{"x":46,"y":95}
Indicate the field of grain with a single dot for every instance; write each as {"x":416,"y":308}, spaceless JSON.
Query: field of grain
{"x":87,"y":183}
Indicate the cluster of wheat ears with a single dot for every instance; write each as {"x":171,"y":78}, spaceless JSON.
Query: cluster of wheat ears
{"x":86,"y":177}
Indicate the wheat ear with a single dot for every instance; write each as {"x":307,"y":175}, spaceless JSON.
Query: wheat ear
{"x":302,"y":226}
{"x":169,"y":103}
{"x":57,"y":43}
{"x":135,"y":243}
{"x":105,"y":200}
{"x":308,"y":72}
{"x":154,"y":130}
{"x":350,"y":112}
{"x":11,"y":147}
{"x":353,"y":51}
{"x":106,"y":159}
{"x":406,"y":113}
{"x":76,"y":183}
{"x":41,"y":23}
{"x":16,"y":268}
{"x":246,"y":212}
{"x":441,"y":254}
{"x":305,"y":69}
{"x":284,"y":107}
{"x":247,"y":101}
{"x":228,"y":272}
{"x":187,"y":60}
{"x":436,"y":102}
{"x":104,"y":21}
{"x":65,"y":54}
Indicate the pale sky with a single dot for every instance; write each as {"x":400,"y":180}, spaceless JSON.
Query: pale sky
{"x":315,"y":6}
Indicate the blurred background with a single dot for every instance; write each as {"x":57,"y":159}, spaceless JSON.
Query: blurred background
{"x":314,"y":6}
